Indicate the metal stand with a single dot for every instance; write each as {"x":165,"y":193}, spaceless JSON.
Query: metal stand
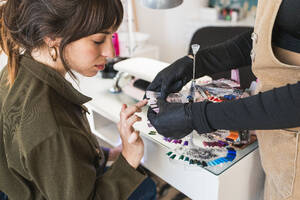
{"x":116,"y":88}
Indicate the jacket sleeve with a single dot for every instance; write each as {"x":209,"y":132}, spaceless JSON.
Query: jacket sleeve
{"x":274,"y":109}
{"x":231,"y":54}
{"x":64,"y":167}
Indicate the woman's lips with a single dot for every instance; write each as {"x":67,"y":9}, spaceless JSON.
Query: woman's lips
{"x":100,"y":67}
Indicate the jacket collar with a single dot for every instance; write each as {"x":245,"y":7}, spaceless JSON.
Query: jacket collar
{"x":54,"y":80}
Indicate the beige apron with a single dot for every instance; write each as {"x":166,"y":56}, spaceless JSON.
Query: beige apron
{"x":279,"y":149}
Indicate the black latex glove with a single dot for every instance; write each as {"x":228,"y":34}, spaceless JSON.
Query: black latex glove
{"x":173,"y":78}
{"x":221,"y":57}
{"x":173,"y":120}
{"x":176,"y":120}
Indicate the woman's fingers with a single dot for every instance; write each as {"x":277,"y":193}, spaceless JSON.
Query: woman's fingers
{"x":133,"y":137}
{"x":133,"y":109}
{"x":132,"y":120}
{"x":122,"y":112}
{"x":124,"y":106}
{"x":142,"y":103}
{"x":128,"y":124}
{"x":128,"y":118}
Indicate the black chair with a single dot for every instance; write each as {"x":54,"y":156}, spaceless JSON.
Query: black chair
{"x":212,"y":35}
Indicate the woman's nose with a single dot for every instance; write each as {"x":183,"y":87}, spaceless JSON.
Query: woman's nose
{"x":108,"y":49}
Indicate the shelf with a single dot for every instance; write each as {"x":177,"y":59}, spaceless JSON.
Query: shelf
{"x":106,"y":129}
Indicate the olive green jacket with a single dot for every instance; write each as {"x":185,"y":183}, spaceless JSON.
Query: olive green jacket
{"x":47,"y":150}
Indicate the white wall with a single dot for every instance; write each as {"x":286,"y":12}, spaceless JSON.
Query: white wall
{"x":168,"y":28}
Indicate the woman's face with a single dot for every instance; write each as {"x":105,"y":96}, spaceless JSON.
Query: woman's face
{"x":88,"y":55}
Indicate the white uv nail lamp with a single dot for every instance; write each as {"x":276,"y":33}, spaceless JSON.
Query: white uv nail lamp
{"x":137,"y":71}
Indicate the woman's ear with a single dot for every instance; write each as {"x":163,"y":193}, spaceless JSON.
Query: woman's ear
{"x":53,"y":47}
{"x":52,"y":42}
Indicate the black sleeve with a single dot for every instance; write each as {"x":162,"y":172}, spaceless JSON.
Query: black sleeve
{"x":231,"y":54}
{"x":273,"y":109}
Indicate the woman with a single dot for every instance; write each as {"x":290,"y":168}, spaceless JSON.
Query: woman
{"x":274,"y":112}
{"x":47,"y":150}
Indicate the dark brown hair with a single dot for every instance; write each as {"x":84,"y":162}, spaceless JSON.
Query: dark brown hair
{"x":25,"y":23}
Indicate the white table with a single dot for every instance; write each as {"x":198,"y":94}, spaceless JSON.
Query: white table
{"x":242,"y":181}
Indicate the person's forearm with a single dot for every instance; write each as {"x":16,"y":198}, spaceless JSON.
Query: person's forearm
{"x":228,"y":55}
{"x":274,"y":109}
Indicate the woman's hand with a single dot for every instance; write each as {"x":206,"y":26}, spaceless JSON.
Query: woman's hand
{"x":133,"y":145}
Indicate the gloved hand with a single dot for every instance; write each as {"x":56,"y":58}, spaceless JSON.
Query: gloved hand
{"x":173,"y":120}
{"x":173,"y":78}
{"x":176,"y":120}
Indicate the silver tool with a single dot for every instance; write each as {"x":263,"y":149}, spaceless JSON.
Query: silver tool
{"x":195,"y":49}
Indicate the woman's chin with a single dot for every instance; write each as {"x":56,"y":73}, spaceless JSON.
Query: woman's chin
{"x":90,"y":74}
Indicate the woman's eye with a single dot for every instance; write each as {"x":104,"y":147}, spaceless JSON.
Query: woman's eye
{"x":99,"y":42}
